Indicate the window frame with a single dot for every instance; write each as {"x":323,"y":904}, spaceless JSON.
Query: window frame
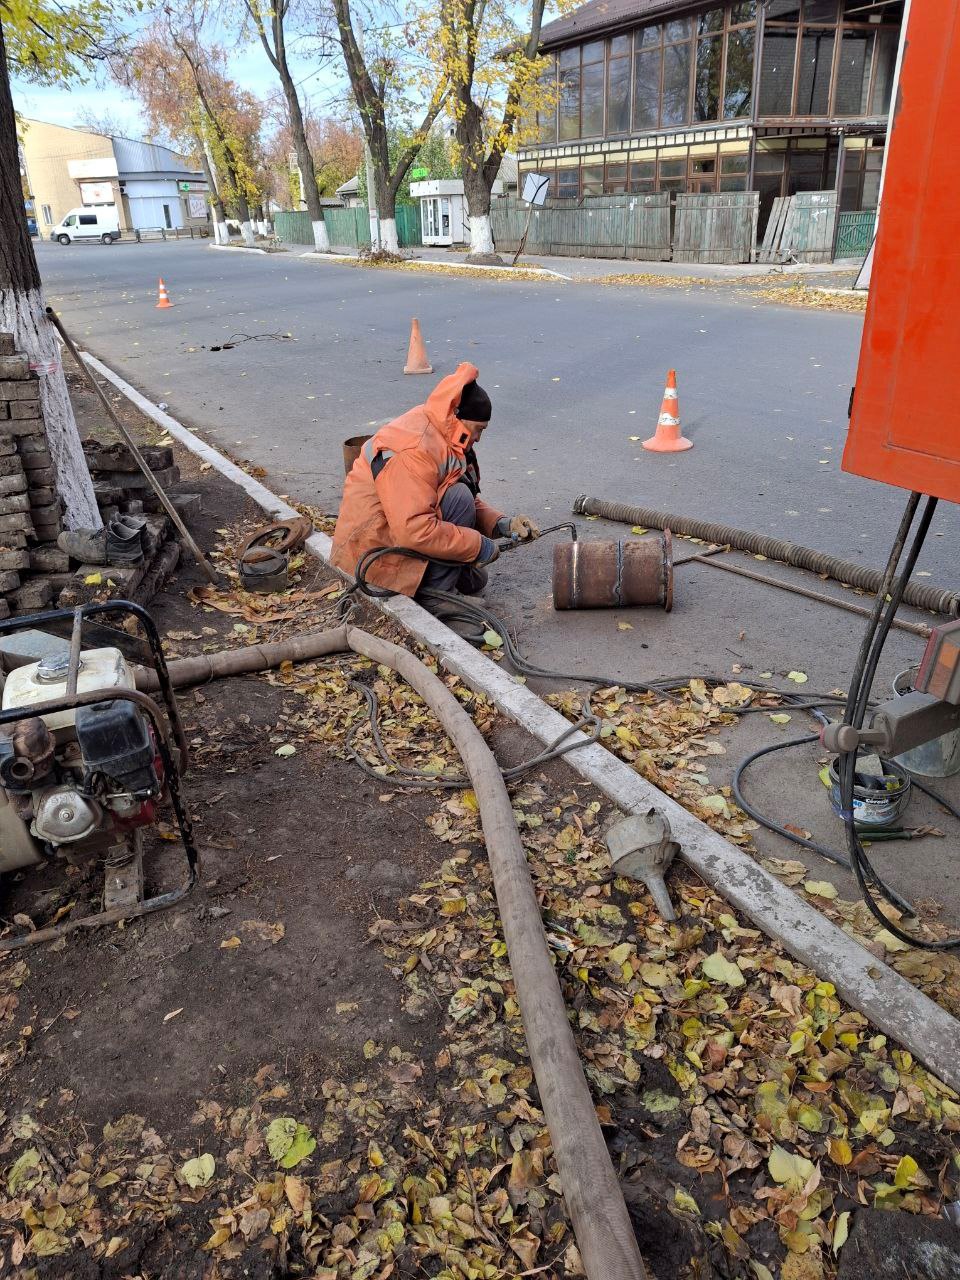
{"x":838,"y":27}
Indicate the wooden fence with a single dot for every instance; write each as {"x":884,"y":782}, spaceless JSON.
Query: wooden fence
{"x":801,"y":228}
{"x":293,"y":226}
{"x":720,"y":227}
{"x":654,"y":228}
{"x":855,"y":234}
{"x":350,"y":228}
{"x":635,"y":227}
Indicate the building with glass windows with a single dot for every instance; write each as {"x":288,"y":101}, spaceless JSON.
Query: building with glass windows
{"x":774,"y":96}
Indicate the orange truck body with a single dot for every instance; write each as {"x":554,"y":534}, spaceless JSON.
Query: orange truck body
{"x":905,"y":426}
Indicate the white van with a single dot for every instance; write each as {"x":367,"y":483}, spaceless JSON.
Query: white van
{"x":100,"y":223}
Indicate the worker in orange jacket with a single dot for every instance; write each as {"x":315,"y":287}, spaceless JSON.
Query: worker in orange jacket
{"x":416,"y":484}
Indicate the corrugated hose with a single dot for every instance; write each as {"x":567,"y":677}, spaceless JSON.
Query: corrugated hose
{"x":935,"y":599}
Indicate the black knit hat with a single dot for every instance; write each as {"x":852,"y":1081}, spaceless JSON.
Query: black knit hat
{"x":474,"y":404}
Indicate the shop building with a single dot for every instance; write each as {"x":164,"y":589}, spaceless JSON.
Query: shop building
{"x":150,"y":185}
{"x":773,"y":96}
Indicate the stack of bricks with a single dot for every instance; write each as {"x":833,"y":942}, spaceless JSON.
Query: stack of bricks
{"x":32,"y":568}
{"x":119,"y":484}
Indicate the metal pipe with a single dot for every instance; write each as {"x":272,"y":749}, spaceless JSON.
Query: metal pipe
{"x":591,"y":1189}
{"x":934,"y":599}
{"x":155,"y":485}
{"x":73,"y":667}
{"x":917,"y":628}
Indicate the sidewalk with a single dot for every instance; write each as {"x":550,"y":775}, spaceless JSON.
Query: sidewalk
{"x":590,"y":268}
{"x":839,"y":274}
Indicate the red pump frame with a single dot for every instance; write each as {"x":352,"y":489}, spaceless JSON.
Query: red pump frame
{"x":905,"y":426}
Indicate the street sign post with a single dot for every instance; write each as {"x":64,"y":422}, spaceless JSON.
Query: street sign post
{"x":535,"y":187}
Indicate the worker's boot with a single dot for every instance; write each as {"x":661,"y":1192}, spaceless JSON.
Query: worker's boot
{"x":89,"y":546}
{"x":120,"y":542}
{"x":124,"y":541}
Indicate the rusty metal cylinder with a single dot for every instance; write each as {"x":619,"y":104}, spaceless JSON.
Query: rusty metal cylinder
{"x":614,"y":575}
{"x":351,"y":451}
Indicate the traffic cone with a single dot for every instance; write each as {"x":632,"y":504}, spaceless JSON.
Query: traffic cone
{"x":163,"y":298}
{"x":417,"y":361}
{"x":668,"y":438}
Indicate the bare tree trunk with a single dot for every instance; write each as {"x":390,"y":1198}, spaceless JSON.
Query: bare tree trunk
{"x":369,"y":98}
{"x":277,"y":53}
{"x":22,"y":314}
{"x":477,"y":185}
{"x":387,"y":212}
{"x":480,"y":166}
{"x":243,"y":206}
{"x":216,"y":204}
{"x":243,"y":213}
{"x":311,"y":192}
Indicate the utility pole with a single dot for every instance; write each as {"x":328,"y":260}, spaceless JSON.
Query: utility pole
{"x":371,"y":185}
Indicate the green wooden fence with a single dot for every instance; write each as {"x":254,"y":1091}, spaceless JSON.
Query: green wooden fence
{"x":350,"y":228}
{"x":408,"y":225}
{"x":625,"y":226}
{"x":293,"y":227}
{"x":855,"y":233}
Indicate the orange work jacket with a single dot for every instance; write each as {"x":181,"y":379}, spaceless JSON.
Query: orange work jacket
{"x":425,"y":449}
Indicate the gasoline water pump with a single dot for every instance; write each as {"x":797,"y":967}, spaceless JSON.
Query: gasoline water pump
{"x":86,"y":762}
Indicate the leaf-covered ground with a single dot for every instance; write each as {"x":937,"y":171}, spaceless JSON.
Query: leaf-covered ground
{"x":751,"y":1115}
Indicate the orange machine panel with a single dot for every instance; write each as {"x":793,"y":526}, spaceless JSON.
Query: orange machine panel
{"x":905,"y":428}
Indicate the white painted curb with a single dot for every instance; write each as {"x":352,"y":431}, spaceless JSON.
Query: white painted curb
{"x":437,"y":262}
{"x":235,"y":248}
{"x":888,"y":1000}
{"x":330,"y":257}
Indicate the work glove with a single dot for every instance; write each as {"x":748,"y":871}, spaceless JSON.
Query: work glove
{"x":489,"y":551}
{"x":520,"y":528}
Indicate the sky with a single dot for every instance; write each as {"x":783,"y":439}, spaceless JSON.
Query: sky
{"x":322,"y":92}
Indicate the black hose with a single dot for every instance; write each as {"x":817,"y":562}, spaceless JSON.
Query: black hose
{"x":832,"y":855}
{"x":475,"y":614}
{"x":864,"y":674}
{"x":420,"y":778}
{"x":916,"y":594}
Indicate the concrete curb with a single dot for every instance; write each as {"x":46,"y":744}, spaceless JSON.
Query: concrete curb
{"x":235,"y":248}
{"x":868,"y":984}
{"x":416,"y":263}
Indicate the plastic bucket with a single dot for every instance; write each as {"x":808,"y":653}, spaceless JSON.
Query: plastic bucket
{"x":937,"y":759}
{"x":874,"y":808}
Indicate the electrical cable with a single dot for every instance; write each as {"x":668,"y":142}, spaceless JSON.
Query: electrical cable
{"x":421,"y":778}
{"x":832,"y":855}
{"x":452,"y":607}
{"x":864,"y":675}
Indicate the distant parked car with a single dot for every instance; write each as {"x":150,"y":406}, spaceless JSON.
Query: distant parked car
{"x":100,"y":224}
{"x":31,"y":225}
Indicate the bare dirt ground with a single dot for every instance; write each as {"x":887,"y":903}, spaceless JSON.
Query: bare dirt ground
{"x":315,"y":1066}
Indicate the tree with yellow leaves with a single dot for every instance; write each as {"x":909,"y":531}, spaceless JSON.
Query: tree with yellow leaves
{"x":488,"y":55}
{"x":395,"y":92}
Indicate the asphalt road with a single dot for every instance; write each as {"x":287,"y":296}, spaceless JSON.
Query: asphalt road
{"x":575,"y":371}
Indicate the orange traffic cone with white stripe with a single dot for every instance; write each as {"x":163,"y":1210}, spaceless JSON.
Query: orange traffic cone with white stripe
{"x":163,"y":298}
{"x":668,"y":438}
{"x":417,"y":361}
